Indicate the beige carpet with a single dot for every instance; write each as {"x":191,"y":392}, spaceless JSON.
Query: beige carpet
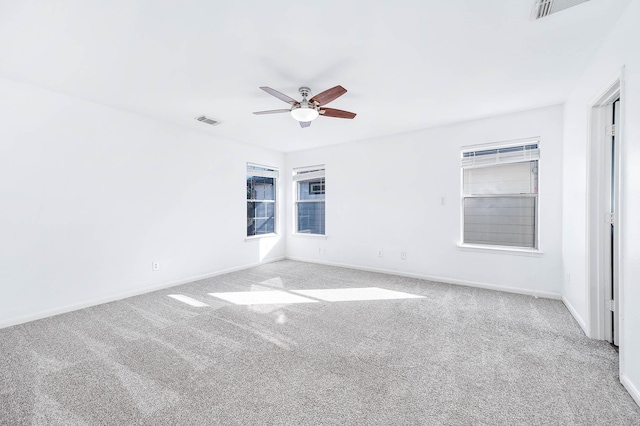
{"x":455,"y":355}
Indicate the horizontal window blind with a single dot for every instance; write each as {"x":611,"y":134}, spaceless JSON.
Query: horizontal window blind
{"x":255,"y":170}
{"x":504,"y":221}
{"x":307,"y":174}
{"x":515,"y":178}
{"x":500,"y":155}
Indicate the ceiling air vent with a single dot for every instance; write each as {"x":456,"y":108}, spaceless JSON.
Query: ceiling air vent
{"x":205,"y":119}
{"x":542,"y":8}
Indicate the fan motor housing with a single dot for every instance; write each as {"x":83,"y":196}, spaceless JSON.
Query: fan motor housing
{"x":304,"y":91}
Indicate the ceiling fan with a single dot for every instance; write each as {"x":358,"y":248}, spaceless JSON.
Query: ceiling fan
{"x":307,"y":110}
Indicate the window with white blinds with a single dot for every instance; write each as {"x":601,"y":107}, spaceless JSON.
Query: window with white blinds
{"x":500,"y":195}
{"x":261,"y":200}
{"x":310,"y":193}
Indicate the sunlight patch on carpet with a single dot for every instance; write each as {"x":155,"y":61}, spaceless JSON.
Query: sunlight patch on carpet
{"x":261,"y":297}
{"x":356,"y":294}
{"x":188,"y":300}
{"x":312,"y":296}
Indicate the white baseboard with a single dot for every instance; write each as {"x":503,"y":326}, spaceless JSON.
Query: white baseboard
{"x":633,"y":391}
{"x":576,"y":315}
{"x":120,"y":296}
{"x":529,"y":292}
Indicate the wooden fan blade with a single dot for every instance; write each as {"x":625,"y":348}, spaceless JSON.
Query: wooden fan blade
{"x":279,"y":95}
{"x":272,"y":111}
{"x":337,"y":113}
{"x":329,"y":95}
{"x":305,"y":123}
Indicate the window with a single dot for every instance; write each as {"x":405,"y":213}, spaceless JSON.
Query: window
{"x":500,"y":195}
{"x":261,"y":200}
{"x":310,"y":187}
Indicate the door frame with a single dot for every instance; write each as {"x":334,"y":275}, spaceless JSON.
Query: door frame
{"x":598,"y":256}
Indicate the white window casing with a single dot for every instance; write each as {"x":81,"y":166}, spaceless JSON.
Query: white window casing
{"x":501,"y":154}
{"x":500,"y":195}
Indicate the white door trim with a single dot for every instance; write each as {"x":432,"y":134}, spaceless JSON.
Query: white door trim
{"x":597,"y":193}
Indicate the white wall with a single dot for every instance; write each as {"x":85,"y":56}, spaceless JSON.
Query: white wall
{"x":385,"y":194}
{"x":620,"y":49}
{"x":90,"y":196}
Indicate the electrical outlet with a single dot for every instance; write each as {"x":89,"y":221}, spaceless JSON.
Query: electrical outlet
{"x":380,"y":253}
{"x":155,"y":266}
{"x":403,"y":255}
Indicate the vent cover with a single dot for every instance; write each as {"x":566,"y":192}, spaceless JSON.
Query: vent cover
{"x":543,"y":8}
{"x":205,"y":119}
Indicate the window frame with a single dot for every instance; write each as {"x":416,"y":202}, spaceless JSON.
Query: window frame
{"x":535,"y":250}
{"x":260,"y":170}
{"x":309,"y":174}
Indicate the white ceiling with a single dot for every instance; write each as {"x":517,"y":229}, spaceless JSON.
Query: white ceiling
{"x":407,"y":64}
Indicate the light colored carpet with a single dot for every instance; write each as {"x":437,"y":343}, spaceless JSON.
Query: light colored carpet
{"x":458,"y":355}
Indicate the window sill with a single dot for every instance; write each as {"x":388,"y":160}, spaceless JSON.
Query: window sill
{"x":260,"y":237}
{"x":502,"y":250}
{"x":316,"y":236}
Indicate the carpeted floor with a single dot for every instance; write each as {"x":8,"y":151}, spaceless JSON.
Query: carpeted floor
{"x":457,"y":355}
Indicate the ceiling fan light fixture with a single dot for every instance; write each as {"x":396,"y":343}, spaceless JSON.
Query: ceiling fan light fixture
{"x":304,"y":114}
{"x":307,"y":110}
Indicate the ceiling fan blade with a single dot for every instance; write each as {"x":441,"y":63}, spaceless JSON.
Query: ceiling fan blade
{"x":329,"y":95}
{"x":279,"y":95}
{"x":272,"y":111}
{"x":305,"y":123}
{"x":337,"y":113}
